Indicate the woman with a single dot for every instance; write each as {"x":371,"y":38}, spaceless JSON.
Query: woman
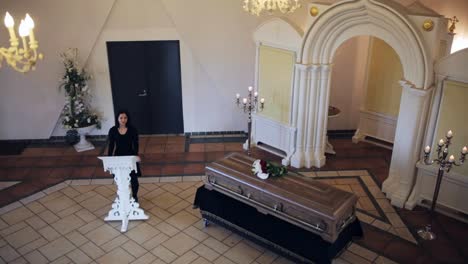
{"x":123,"y":137}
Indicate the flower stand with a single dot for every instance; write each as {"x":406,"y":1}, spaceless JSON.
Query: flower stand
{"x":83,"y":144}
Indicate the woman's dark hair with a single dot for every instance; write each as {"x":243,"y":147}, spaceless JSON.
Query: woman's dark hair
{"x":117,"y":117}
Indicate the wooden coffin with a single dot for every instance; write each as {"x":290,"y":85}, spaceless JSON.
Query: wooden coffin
{"x":305,"y":202}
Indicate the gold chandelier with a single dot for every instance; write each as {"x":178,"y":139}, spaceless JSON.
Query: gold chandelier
{"x":255,"y":7}
{"x":21,"y":59}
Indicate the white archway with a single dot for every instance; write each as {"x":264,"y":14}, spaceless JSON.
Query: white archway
{"x":349,"y":19}
{"x":334,"y":26}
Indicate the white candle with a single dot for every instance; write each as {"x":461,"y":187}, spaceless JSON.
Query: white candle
{"x":441,"y":142}
{"x":10,"y":23}
{"x":451,"y":158}
{"x":449,"y":134}
{"x":250,"y":88}
{"x":24,"y":32}
{"x":464,"y":150}
{"x":427,"y":149}
{"x":244,"y":100}
{"x":30,"y":24}
{"x":237,"y":96}
{"x":262,"y":100}
{"x":255,"y":94}
{"x":23,"y":29}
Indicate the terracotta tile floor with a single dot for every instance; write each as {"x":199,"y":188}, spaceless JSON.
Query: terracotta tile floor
{"x":53,"y":201}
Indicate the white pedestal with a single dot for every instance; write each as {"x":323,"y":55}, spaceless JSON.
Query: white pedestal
{"x":329,"y":148}
{"x":84,"y":144}
{"x":332,"y":112}
{"x":124,"y":207}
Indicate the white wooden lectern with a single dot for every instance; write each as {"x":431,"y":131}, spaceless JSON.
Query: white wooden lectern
{"x":124,"y":207}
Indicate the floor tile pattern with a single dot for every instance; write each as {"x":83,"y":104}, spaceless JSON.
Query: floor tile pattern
{"x":43,"y":172}
{"x":66,"y":226}
{"x":372,"y":207}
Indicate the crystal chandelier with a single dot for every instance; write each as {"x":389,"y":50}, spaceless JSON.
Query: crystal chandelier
{"x":255,"y":7}
{"x":21,"y":59}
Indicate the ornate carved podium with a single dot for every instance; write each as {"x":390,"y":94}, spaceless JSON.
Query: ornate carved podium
{"x":124,"y":207}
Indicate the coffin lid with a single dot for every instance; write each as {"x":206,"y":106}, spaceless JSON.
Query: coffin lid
{"x":308,"y":193}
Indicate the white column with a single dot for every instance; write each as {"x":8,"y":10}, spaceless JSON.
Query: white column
{"x":318,"y":115}
{"x":311,"y":114}
{"x":428,"y":138}
{"x":300,"y":113}
{"x":124,"y":207}
{"x":408,"y":143}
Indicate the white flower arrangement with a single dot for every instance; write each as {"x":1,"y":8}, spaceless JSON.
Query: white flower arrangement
{"x":257,"y":170}
{"x":76,"y":112}
{"x":264,"y":169}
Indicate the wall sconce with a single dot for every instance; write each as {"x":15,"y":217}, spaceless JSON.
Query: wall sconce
{"x":21,"y":59}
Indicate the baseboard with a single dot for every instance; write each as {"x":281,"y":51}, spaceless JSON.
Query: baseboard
{"x":271,"y":149}
{"x":55,"y":140}
{"x":341,"y":133}
{"x":446,"y":211}
{"x":99,"y":138}
{"x":214,"y":133}
{"x":378,"y":142}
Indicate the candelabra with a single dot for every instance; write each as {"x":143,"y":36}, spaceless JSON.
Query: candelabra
{"x":21,"y":59}
{"x":250,"y":105}
{"x":444,"y":166}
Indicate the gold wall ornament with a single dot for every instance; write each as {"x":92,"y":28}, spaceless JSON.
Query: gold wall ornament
{"x":454,"y":20}
{"x":428,"y":25}
{"x":256,"y":7}
{"x":314,"y":11}
{"x":21,"y":59}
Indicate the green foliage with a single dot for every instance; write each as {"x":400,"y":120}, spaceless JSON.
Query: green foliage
{"x":276,"y":170}
{"x":76,"y":112}
{"x":264,"y":169}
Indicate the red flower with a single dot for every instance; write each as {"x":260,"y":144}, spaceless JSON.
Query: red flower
{"x":264,"y":166}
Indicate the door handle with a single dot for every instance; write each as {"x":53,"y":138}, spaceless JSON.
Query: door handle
{"x":143,"y":94}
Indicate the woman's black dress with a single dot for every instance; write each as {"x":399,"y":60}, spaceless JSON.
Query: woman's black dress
{"x":126,"y":145}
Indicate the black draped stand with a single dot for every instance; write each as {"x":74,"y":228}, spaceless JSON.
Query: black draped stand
{"x":271,"y":232}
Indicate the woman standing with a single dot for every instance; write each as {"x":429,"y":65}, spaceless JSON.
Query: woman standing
{"x":123,"y":137}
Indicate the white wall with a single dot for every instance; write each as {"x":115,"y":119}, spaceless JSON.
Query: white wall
{"x":348,"y":72}
{"x":210,"y":62}
{"x":30,"y":103}
{"x":217,"y":52}
{"x":449,"y":9}
{"x":217,"y":59}
{"x":348,"y":82}
{"x":220,"y":36}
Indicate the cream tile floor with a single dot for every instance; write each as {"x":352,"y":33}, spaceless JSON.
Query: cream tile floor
{"x":64,"y":224}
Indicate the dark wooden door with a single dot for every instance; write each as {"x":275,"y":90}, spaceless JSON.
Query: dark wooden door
{"x":166,"y":90}
{"x":146,"y":80}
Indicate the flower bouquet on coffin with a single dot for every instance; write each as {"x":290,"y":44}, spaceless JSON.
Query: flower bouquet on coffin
{"x":264,"y":169}
{"x":77,"y":114}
